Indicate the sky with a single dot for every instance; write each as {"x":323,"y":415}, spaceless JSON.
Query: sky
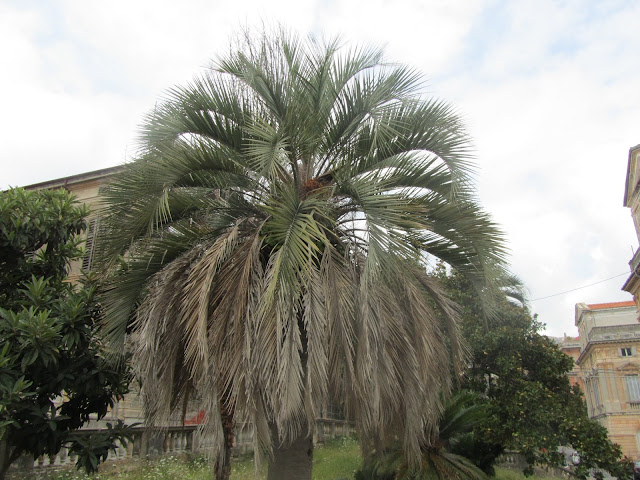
{"x":549,"y":92}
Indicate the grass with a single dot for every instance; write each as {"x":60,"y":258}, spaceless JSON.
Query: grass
{"x":337,"y":459}
{"x":165,"y":468}
{"x":506,"y":474}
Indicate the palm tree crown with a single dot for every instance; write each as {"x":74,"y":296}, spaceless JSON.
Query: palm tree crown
{"x":276,"y":228}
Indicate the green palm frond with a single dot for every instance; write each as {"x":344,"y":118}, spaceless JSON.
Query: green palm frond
{"x":461,"y":413}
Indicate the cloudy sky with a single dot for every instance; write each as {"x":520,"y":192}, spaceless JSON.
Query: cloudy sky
{"x":550,"y":92}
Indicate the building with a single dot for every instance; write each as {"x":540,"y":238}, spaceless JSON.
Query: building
{"x":632,"y":201}
{"x":85,"y":187}
{"x":607,"y":351}
{"x":572,"y":347}
{"x":609,"y":367}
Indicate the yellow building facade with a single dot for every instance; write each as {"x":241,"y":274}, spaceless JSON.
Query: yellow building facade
{"x":608,"y":367}
{"x":85,"y":187}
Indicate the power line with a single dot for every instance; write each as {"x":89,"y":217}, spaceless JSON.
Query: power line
{"x":580,"y":288}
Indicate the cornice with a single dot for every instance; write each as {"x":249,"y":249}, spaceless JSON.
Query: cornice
{"x":65,"y":182}
{"x":592,"y":343}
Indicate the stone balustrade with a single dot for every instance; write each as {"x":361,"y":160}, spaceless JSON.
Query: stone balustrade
{"x":614,"y":333}
{"x":145,"y":442}
{"x":175,"y":440}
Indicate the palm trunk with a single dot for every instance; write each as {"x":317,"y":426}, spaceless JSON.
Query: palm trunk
{"x":223,"y":465}
{"x":292,"y":461}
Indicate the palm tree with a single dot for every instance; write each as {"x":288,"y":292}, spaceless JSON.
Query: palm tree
{"x":462,"y":413}
{"x":274,"y":235}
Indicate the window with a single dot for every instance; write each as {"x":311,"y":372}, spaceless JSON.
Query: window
{"x":626,"y":352}
{"x":633,"y":388}
{"x":596,"y":391}
{"x":92,"y":231}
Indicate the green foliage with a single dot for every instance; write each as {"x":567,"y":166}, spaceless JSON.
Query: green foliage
{"x":532,"y":407}
{"x":590,"y":439}
{"x":38,"y":237}
{"x":94,"y":448}
{"x":164,"y":468}
{"x":53,"y":371}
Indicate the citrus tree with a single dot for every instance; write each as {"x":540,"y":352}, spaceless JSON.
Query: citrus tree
{"x":53,"y":370}
{"x":532,"y":408}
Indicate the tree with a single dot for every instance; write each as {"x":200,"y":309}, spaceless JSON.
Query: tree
{"x":53,"y":373}
{"x":275,"y":230}
{"x":532,"y":407}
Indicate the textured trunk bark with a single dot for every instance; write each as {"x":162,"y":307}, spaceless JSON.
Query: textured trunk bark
{"x":223,"y":466}
{"x":293,"y":461}
{"x":223,"y":469}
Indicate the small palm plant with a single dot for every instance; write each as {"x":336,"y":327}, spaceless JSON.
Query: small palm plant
{"x":437,"y":462}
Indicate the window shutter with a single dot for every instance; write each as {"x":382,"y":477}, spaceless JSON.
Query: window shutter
{"x":633,"y":388}
{"x":92,"y":231}
{"x":596,"y":391}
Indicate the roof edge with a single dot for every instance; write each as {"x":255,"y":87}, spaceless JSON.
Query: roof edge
{"x":610,"y":305}
{"x":72,"y":179}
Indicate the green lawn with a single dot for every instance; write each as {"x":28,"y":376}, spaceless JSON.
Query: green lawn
{"x":337,"y":459}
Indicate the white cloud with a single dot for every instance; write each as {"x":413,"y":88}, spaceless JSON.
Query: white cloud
{"x":422,"y":34}
{"x":548,"y":89}
{"x":553,"y":115}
